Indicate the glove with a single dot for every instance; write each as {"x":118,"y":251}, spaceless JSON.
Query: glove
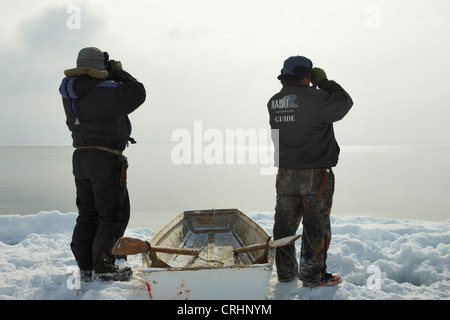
{"x":114,"y":65}
{"x":317,"y":75}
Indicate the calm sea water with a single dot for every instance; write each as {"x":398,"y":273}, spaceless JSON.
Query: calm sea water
{"x":408,"y":182}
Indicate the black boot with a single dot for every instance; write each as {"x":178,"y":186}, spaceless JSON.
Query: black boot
{"x":106,"y":270}
{"x":86,"y":275}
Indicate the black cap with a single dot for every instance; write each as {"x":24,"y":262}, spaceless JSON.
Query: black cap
{"x":296,"y":66}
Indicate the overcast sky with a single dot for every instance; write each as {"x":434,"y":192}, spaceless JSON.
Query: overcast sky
{"x":217,"y":62}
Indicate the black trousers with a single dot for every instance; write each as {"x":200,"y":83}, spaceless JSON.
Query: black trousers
{"x":103,"y":204}
{"x":303,"y":195}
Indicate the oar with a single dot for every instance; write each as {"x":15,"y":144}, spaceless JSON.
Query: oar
{"x":270,"y":244}
{"x":130,"y":246}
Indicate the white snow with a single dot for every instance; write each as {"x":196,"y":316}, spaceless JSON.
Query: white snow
{"x":378,"y":258}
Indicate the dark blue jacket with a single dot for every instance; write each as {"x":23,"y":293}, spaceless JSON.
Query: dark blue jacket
{"x":97,"y":109}
{"x":304,"y":118}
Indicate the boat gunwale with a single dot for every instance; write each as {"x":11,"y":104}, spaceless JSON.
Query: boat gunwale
{"x":268,"y":266}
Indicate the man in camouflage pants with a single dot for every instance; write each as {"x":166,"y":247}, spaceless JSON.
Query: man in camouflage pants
{"x":307,"y":150}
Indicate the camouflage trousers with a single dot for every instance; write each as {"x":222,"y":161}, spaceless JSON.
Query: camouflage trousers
{"x":303,"y":195}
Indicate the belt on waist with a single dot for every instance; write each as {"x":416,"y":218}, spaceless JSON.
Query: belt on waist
{"x":116,"y":152}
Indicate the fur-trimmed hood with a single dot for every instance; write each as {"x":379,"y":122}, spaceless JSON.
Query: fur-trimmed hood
{"x":94,"y":73}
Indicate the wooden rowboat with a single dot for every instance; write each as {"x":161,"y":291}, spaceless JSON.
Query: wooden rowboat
{"x":207,"y":254}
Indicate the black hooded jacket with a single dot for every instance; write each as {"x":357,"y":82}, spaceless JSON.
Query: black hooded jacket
{"x":304,"y":118}
{"x":97,"y":109}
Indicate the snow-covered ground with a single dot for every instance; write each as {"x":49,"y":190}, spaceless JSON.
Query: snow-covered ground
{"x":378,"y":258}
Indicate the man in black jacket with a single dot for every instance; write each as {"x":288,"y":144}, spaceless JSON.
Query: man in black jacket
{"x":98,"y":95}
{"x":306,"y":151}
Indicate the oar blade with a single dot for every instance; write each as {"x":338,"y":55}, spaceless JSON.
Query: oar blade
{"x":272,"y":244}
{"x":283,"y":241}
{"x":130,"y":246}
